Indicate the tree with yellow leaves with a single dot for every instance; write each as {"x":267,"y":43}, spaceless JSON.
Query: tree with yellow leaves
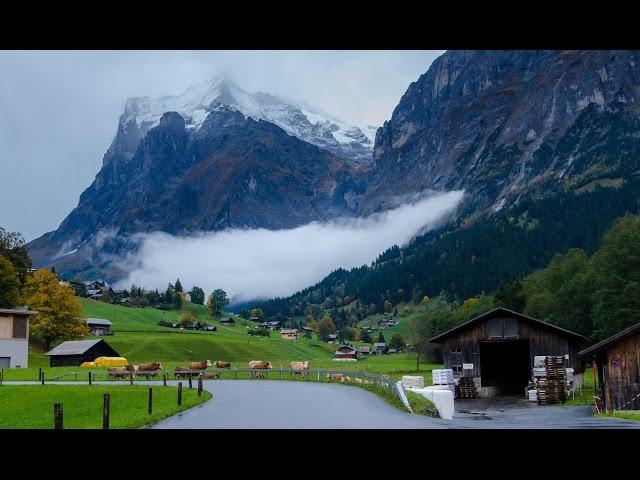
{"x":59,"y":311}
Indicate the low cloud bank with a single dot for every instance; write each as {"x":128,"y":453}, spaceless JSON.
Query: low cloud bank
{"x":260,"y":263}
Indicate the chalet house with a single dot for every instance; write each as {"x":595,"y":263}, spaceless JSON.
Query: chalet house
{"x":332,"y":338}
{"x":498,"y":347}
{"x":345,"y":353}
{"x":75,"y":352}
{"x":99,"y":326}
{"x":617,"y":362}
{"x":187,"y":297}
{"x":379,"y":348}
{"x":274,"y":325}
{"x":307,"y":329}
{"x":227,"y":321}
{"x":364,"y":350}
{"x":95,"y":294}
{"x":289,"y":333}
{"x":14,"y":337}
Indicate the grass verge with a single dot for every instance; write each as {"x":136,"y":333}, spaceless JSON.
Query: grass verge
{"x":31,"y":406}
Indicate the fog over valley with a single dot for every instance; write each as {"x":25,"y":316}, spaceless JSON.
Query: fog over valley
{"x":254,"y":264}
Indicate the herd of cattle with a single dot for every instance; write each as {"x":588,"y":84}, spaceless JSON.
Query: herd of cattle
{"x":150,"y":370}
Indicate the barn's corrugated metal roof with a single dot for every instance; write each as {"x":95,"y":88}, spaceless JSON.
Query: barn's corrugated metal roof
{"x":612,"y":339}
{"x":504,"y":311}
{"x":17,"y":311}
{"x":73,"y":347}
{"x":98,"y":321}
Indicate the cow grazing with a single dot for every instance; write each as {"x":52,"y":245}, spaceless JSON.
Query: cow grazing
{"x":117,"y":373}
{"x":210,"y":376}
{"x":132,"y":368}
{"x":259,"y":364}
{"x":336,"y":377}
{"x":148,"y":367}
{"x":219,"y":364}
{"x":200,"y":365}
{"x":300,"y":368}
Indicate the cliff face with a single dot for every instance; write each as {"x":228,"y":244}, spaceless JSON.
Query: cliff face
{"x":502,"y":124}
{"x":232,"y":172}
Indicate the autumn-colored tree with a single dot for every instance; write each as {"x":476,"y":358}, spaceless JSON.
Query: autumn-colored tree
{"x":8,"y":284}
{"x":356,"y":334}
{"x":59,"y":311}
{"x":189,"y":316}
{"x":313,"y":325}
{"x":387,"y":306}
{"x":425,"y":299}
{"x":257,"y":313}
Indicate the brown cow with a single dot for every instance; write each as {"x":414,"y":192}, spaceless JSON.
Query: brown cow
{"x":211,"y":376}
{"x":259,"y":364}
{"x":200,"y":365}
{"x":219,"y":364}
{"x":300,"y":367}
{"x":131,"y":368}
{"x":117,"y":373}
{"x":338,"y":377}
{"x":148,"y":367}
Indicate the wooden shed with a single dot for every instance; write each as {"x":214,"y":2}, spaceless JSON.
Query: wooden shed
{"x":75,"y":352}
{"x":498,"y":349}
{"x":618,"y":369}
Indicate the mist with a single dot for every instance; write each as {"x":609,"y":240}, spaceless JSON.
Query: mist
{"x":251,"y":264}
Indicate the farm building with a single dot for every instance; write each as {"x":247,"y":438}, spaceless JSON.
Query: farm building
{"x":289,"y":333}
{"x":75,"y":352}
{"x":332,"y":338}
{"x":364,"y":350}
{"x":379,"y":348}
{"x":307,"y":329}
{"x":14,"y":337}
{"x":99,"y":326}
{"x":273,"y":325}
{"x":618,"y":369}
{"x":345,"y":353}
{"x":227,"y":321}
{"x":498,"y":348}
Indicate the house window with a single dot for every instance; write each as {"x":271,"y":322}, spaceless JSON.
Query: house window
{"x":19,"y":327}
{"x":456,"y":350}
{"x":510,"y":328}
{"x":495,"y":328}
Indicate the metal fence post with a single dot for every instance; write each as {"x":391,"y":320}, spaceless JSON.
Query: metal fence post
{"x":89,"y":378}
{"x":42,"y":378}
{"x":164,"y":379}
{"x":190,"y":385}
{"x":57,"y":416}
{"x":179,"y":393}
{"x":106,"y":401}
{"x":150,"y":409}
{"x":200,"y":385}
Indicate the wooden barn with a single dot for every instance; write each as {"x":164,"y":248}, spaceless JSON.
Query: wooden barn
{"x":498,"y":348}
{"x":345,"y":353}
{"x":618,"y":369}
{"x":75,"y":352}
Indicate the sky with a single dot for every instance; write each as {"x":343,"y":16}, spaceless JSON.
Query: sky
{"x":59,"y":110}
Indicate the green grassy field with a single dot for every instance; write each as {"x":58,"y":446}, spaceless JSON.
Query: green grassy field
{"x":31,"y":406}
{"x":139,"y":339}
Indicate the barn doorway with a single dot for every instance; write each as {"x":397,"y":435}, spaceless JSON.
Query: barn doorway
{"x":505,"y":365}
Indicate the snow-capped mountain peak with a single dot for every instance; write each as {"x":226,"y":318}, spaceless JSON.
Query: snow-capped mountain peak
{"x":299,"y":119}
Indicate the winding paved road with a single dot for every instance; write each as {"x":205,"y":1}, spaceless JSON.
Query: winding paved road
{"x":282,"y":404}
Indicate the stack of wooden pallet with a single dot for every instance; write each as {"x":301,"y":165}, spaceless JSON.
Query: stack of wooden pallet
{"x":466,"y":389}
{"x":551,"y":387}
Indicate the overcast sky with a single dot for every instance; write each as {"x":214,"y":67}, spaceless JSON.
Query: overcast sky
{"x":59,"y":110}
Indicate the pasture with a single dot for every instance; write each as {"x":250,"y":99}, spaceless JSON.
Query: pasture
{"x":31,"y":406}
{"x":138,"y":338}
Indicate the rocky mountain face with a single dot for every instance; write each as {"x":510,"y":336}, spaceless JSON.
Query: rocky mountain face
{"x":233,"y":171}
{"x":504,"y":124}
{"x":308,"y":123}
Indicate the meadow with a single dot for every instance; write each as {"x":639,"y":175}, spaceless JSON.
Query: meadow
{"x":31,"y":406}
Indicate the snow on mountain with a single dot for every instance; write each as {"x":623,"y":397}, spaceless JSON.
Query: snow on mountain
{"x":298,"y":119}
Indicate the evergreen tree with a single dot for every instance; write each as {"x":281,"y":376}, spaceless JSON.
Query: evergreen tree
{"x":178,"y":286}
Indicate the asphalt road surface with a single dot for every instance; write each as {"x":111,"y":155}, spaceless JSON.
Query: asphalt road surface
{"x":282,"y":404}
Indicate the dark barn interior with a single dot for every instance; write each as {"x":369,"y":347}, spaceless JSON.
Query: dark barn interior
{"x":507,"y":376}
